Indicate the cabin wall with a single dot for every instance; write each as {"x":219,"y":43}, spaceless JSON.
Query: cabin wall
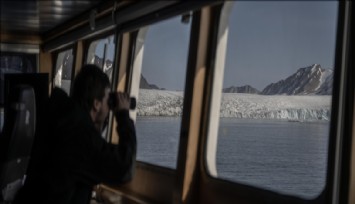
{"x":352,"y":164}
{"x":195,"y":180}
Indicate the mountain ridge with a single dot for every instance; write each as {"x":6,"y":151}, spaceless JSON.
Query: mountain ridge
{"x":241,"y":89}
{"x":311,"y":80}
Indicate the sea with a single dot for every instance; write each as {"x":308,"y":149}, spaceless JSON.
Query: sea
{"x":288,"y":157}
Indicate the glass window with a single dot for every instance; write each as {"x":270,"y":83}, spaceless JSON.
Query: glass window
{"x":15,"y":63}
{"x":276,"y":98}
{"x":101,"y":53}
{"x":11,"y":62}
{"x":160,"y":99}
{"x":64,"y":70}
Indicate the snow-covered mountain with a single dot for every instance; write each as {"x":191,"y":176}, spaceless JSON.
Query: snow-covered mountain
{"x":238,"y":105}
{"x":144,"y":84}
{"x":241,"y":89}
{"x":312,"y":80}
{"x":309,"y":80}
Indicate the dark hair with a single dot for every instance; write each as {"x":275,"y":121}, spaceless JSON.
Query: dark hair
{"x":90,"y":84}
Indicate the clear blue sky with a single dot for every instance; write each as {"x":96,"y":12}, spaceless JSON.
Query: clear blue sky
{"x":268,"y":41}
{"x":165,"y":54}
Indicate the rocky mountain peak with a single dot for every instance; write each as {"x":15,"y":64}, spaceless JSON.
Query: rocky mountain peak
{"x":308,"y":80}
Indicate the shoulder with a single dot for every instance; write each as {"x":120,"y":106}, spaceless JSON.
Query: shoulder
{"x":58,"y":102}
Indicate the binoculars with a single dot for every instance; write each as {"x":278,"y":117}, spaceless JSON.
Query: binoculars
{"x":112,"y":101}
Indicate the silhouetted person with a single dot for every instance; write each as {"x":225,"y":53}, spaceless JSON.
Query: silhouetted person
{"x":70,"y":156}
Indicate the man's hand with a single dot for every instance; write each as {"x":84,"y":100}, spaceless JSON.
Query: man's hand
{"x":122,"y":101}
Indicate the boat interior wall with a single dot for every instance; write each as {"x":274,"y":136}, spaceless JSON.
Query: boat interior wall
{"x":61,"y":36}
{"x":17,"y":138}
{"x":45,"y":66}
{"x":352,"y":173}
{"x":20,"y":48}
{"x":343,"y":94}
{"x":25,"y":98}
{"x":19,"y":39}
{"x":198,"y":64}
{"x":37,"y":17}
{"x":351,"y":133}
{"x":78,"y":56}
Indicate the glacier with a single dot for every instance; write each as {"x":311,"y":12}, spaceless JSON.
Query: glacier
{"x":238,"y":105}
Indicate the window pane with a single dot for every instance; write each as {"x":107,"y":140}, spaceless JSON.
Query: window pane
{"x":160,"y":97}
{"x":101,"y":53}
{"x":276,"y":101}
{"x":15,"y":63}
{"x":64,"y":69}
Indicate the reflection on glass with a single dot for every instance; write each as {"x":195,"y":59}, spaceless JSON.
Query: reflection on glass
{"x":64,"y":69}
{"x":160,"y":100}
{"x":101,"y":53}
{"x":11,"y":62}
{"x":276,"y":102}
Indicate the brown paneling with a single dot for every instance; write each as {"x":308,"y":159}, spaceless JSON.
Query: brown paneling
{"x":45,"y":66}
{"x":20,"y":39}
{"x":37,"y":16}
{"x":122,"y":76}
{"x":187,"y":177}
{"x":78,"y":57}
{"x":123,"y":62}
{"x":352,"y":164}
{"x":150,"y":184}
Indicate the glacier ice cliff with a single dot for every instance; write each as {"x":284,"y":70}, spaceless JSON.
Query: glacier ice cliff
{"x":237,"y":105}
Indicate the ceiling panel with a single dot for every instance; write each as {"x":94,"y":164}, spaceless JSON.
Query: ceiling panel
{"x":39,"y":16}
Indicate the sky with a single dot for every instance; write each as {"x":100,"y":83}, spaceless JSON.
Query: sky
{"x":165,"y":54}
{"x":267,"y":41}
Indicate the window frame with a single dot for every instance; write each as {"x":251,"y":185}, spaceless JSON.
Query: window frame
{"x":225,"y":190}
{"x":19,"y":50}
{"x":108,"y":135}
{"x":139,"y":42}
{"x":162,"y":178}
{"x":55,"y":55}
{"x":102,"y":36}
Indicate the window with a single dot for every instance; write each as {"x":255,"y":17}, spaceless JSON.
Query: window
{"x":63,"y":70}
{"x":11,"y":62}
{"x":160,"y":97}
{"x":275,"y":98}
{"x":101,"y":53}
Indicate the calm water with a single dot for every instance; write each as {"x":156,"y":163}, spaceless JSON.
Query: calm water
{"x":287,"y":157}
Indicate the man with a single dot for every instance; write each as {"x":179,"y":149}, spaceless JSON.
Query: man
{"x":71,"y":156}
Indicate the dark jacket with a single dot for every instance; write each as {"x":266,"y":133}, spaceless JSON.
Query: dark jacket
{"x":70,"y":156}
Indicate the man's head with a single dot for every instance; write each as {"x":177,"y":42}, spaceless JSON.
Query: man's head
{"x":91,"y":89}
